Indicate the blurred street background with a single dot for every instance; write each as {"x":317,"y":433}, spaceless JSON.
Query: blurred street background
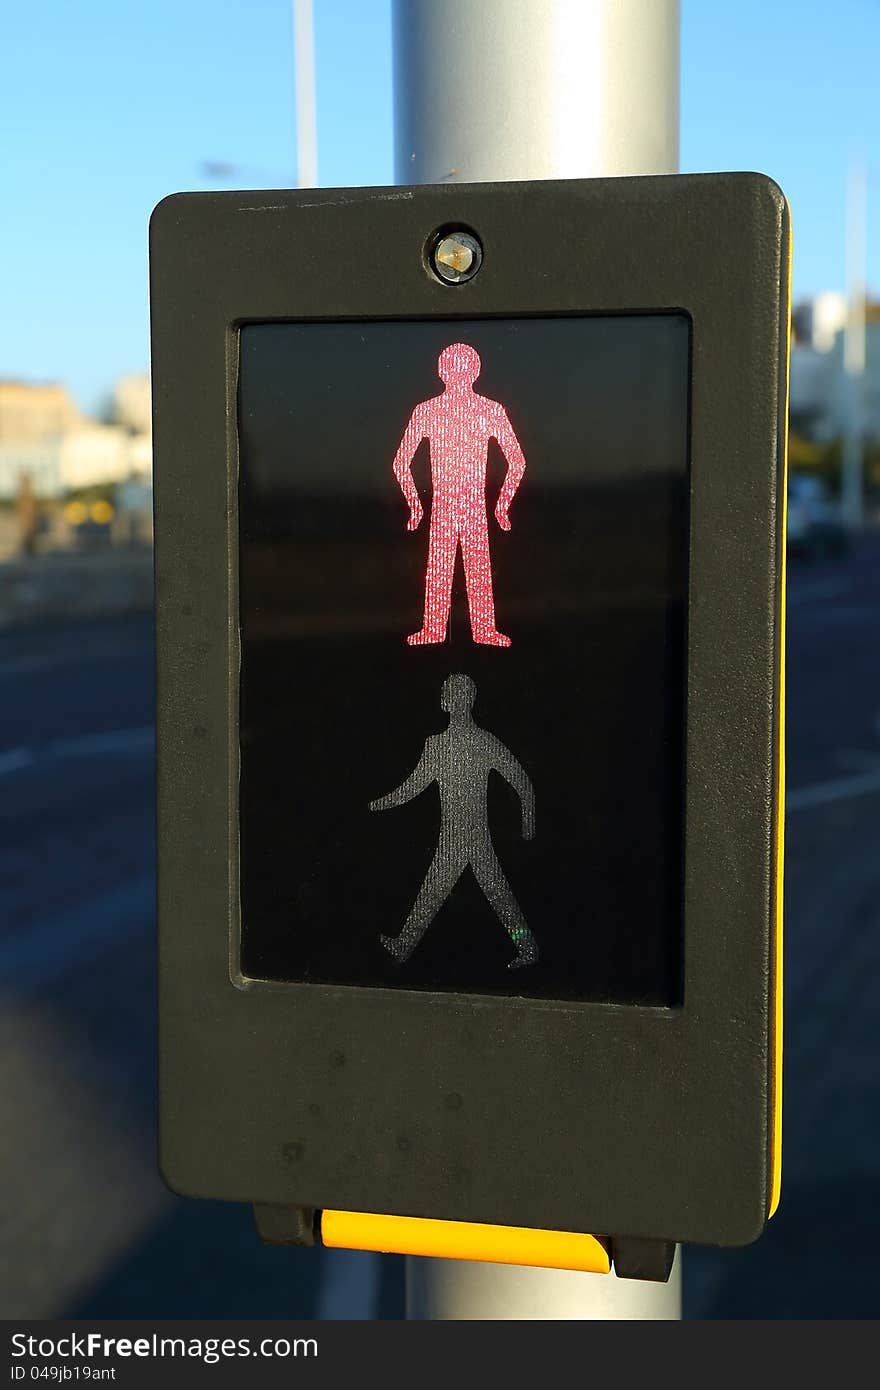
{"x":86,"y":1227}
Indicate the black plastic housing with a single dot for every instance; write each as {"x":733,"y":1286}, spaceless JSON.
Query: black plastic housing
{"x":643,"y":1122}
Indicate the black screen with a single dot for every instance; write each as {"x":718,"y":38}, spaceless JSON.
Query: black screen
{"x":457,"y":813}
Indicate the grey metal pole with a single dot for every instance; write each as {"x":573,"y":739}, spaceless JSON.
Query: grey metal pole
{"x":489,"y":90}
{"x":462,"y":1290}
{"x":854,"y":349}
{"x":304,"y":94}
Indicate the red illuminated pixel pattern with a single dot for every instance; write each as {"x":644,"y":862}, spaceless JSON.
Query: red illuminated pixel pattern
{"x":458,"y":425}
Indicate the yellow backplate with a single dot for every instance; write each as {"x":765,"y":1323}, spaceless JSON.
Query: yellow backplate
{"x":464,"y":1240}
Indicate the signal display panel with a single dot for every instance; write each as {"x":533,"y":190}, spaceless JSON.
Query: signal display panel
{"x":463,"y":594}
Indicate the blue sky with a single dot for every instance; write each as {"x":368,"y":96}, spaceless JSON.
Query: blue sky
{"x":106,"y":106}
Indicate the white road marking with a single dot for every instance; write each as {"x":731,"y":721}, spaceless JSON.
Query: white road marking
{"x":122,"y":742}
{"x":114,"y":741}
{"x":841,"y":789}
{"x":37,"y":955}
{"x":13,"y":759}
{"x":63,"y":652}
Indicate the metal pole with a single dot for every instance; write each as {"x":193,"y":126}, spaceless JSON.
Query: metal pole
{"x":854,"y":349}
{"x":461,"y":1291}
{"x":488,"y":90}
{"x":304,"y":90}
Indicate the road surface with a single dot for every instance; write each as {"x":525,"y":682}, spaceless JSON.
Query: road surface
{"x":88,"y":1228}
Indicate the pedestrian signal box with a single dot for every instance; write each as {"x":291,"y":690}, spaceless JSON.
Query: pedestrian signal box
{"x":469,"y":558}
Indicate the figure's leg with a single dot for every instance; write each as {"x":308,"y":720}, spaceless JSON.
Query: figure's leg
{"x":442,"y":546}
{"x":490,"y":876}
{"x":440,"y":880}
{"x":478,"y":578}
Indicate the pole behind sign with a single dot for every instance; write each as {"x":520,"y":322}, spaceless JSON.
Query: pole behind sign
{"x":534,"y":89}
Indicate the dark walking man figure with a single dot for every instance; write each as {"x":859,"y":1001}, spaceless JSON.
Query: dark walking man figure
{"x":459,"y":760}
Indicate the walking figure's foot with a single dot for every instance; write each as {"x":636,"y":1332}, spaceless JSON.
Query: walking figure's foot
{"x":491,"y":638}
{"x":394,"y":947}
{"x":527,"y":954}
{"x":424,"y":639}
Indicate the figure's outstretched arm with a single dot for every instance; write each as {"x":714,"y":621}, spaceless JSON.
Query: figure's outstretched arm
{"x":513,"y":772}
{"x":516,"y":465}
{"x":412,"y":438}
{"x":421,"y":777}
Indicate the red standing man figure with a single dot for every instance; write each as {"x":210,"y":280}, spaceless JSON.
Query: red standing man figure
{"x":458,"y":425}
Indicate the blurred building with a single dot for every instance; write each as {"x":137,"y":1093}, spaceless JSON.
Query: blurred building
{"x":44,"y":438}
{"x":132,"y":404}
{"x":33,"y":413}
{"x":820,"y":393}
{"x":93,"y":454}
{"x":816,"y":322}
